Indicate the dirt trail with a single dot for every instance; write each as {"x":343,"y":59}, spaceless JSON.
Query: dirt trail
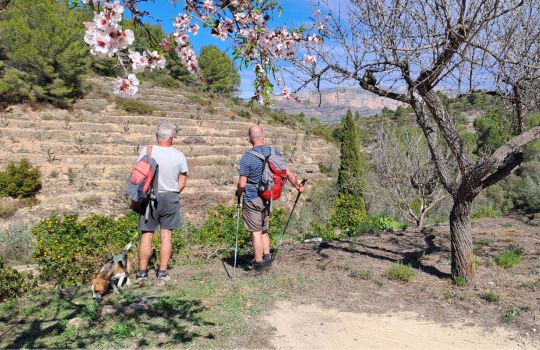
{"x":312,"y":327}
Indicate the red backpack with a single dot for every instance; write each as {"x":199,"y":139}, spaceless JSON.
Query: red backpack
{"x":274,"y":175}
{"x":143,"y":184}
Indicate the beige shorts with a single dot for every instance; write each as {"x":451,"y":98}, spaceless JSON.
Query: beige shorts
{"x":256,"y":215}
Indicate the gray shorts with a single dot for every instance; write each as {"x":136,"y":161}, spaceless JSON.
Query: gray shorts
{"x":256,"y":215}
{"x":166,"y":215}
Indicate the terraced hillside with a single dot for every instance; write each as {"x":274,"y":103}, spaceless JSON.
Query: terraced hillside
{"x":85,"y":154}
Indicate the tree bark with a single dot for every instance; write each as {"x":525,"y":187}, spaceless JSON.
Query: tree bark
{"x":461,"y":241}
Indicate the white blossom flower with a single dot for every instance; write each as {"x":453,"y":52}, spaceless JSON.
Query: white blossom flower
{"x":286,"y":92}
{"x":126,"y":87}
{"x":208,"y":5}
{"x":194,"y":29}
{"x":309,"y":60}
{"x":155,"y":60}
{"x":138,"y":62}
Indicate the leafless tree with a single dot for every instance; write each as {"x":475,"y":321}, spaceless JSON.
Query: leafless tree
{"x":405,"y":173}
{"x":407,"y":50}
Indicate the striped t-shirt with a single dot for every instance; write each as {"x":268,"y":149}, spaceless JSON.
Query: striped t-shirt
{"x":252,"y":167}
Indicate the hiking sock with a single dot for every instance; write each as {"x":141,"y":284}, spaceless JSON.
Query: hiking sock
{"x":142,"y":273}
{"x":161,"y":273}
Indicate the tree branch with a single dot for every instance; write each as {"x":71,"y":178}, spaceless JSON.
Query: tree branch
{"x":499,"y":160}
{"x":434,"y":146}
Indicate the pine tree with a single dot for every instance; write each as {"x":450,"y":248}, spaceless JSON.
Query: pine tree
{"x":42,"y":52}
{"x":219,"y":72}
{"x":351,"y":171}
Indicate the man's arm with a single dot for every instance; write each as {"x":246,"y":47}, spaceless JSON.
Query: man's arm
{"x":182,"y":179}
{"x":241,"y":187}
{"x":293,"y":179}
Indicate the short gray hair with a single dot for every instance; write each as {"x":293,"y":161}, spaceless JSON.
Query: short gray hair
{"x":255,"y":132}
{"x":165,"y":131}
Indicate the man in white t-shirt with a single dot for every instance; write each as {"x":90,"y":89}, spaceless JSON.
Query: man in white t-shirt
{"x":172,"y":177}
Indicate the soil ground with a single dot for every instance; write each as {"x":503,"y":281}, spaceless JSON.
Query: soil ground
{"x":318,"y":295}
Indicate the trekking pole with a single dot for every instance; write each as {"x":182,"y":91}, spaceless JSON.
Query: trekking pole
{"x":236,"y":238}
{"x":288,"y":220}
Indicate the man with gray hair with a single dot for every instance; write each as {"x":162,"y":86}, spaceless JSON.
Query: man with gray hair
{"x":172,"y":177}
{"x":256,"y":211}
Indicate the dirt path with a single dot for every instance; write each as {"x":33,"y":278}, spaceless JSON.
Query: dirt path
{"x":312,"y":327}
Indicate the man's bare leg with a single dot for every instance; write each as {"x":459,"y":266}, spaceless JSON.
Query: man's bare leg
{"x":258,"y":246}
{"x":165,"y":250}
{"x":145,"y":250}
{"x":266,"y":243}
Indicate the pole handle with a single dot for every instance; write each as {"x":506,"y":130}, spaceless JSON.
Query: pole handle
{"x":304,"y":180}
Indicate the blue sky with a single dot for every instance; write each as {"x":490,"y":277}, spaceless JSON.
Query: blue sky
{"x":294,"y":14}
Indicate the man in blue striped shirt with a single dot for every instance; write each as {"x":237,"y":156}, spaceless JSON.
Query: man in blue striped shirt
{"x":255,"y":210}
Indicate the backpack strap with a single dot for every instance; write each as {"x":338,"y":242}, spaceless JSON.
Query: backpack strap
{"x":149,"y":151}
{"x":257,"y":154}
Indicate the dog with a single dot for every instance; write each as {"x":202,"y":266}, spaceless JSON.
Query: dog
{"x":113,"y":273}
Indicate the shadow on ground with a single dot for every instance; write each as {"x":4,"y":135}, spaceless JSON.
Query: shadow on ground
{"x":148,"y":321}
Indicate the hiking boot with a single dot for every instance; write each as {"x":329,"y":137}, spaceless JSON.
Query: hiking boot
{"x":141,"y":278}
{"x":267,"y":261}
{"x":258,"y":269}
{"x":162,"y":278}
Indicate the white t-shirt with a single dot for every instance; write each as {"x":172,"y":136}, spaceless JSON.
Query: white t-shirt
{"x":171,"y":164}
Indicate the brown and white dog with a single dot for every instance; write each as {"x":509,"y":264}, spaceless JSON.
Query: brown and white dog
{"x":114,"y":272}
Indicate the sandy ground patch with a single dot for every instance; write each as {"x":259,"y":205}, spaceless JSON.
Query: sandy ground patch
{"x":312,"y":327}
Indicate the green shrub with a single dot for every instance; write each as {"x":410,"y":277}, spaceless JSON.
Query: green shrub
{"x":69,"y":251}
{"x":17,"y":243}
{"x":13,"y":283}
{"x":20,"y":180}
{"x":399,"y":272}
{"x":134,"y":106}
{"x":348,"y":214}
{"x":510,"y":257}
{"x":219,"y":228}
{"x":219,"y":71}
{"x":490,"y":297}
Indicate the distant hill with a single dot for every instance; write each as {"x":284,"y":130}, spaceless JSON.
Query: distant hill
{"x":85,"y":153}
{"x":335,"y":102}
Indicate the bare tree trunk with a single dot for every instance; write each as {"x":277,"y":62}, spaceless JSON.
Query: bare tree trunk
{"x":461,"y":239}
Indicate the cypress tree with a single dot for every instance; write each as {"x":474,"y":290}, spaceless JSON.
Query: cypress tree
{"x":351,"y":170}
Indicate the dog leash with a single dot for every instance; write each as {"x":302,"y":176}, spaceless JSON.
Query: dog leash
{"x":128,"y":246}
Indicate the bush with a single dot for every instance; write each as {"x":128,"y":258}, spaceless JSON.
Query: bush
{"x":20,"y":180}
{"x":510,"y":257}
{"x":459,"y":281}
{"x":349,"y":213}
{"x":69,"y":251}
{"x":219,"y":228}
{"x":17,"y":243}
{"x":490,"y":297}
{"x":133,"y":106}
{"x":13,"y":283}
{"x":399,"y":272}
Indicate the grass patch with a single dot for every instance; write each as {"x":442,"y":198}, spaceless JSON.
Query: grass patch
{"x":491,"y":297}
{"x":361,"y":274}
{"x":510,"y":314}
{"x":510,"y":257}
{"x":134,"y":106}
{"x":459,"y":281}
{"x":399,"y":272}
